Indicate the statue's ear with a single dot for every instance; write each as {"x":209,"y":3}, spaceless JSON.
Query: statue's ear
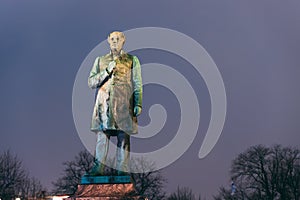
{"x":123,"y":37}
{"x":108,"y":39}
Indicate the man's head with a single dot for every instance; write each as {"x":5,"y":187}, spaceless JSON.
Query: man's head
{"x":116,"y":41}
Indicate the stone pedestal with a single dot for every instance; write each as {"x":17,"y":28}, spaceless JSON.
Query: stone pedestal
{"x":106,"y":188}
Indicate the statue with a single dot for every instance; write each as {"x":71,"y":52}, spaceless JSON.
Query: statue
{"x":116,"y":77}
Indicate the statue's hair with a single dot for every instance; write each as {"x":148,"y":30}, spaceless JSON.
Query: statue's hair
{"x":119,"y":32}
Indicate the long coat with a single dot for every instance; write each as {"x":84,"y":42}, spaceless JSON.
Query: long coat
{"x":117,"y":93}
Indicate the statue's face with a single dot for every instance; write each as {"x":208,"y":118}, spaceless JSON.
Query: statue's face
{"x":116,"y":41}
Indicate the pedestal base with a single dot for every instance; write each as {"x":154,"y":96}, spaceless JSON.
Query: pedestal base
{"x":105,"y":179}
{"x":106,"y":188}
{"x":104,"y":191}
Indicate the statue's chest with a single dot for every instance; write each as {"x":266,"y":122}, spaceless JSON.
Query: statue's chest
{"x":122,"y":72}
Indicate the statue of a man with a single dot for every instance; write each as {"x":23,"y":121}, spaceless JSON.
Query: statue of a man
{"x":117,"y":79}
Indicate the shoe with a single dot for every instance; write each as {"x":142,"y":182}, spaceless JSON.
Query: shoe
{"x":121,"y":173}
{"x":97,"y":170}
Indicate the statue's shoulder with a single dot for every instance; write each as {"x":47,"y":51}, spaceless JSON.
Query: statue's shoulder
{"x":132,"y":56}
{"x":104,"y":60}
{"x":105,"y":57}
{"x":129,"y":56}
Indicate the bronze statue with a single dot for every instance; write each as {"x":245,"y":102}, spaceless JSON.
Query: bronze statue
{"x":117,"y":79}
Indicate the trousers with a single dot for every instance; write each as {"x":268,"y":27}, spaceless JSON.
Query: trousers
{"x":122,"y":152}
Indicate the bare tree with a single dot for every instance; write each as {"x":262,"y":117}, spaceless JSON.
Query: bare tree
{"x":183,"y":193}
{"x":225,"y":194}
{"x":32,"y":188}
{"x":74,"y":170}
{"x":266,"y":173}
{"x":149,"y":182}
{"x":12,"y":175}
{"x":14,"y":180}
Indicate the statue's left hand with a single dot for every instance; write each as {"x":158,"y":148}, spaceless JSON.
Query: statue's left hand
{"x":137,"y":111}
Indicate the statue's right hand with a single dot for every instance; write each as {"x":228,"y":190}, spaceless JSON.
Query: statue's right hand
{"x":111,"y":66}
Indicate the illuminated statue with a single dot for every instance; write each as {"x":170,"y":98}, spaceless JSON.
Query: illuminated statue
{"x":117,"y":78}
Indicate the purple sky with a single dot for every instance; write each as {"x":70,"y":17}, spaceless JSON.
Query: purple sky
{"x":255,"y":45}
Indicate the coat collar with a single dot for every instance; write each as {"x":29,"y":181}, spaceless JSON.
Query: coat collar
{"x":121,"y":53}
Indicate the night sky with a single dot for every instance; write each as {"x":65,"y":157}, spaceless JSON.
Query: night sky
{"x":255,"y":45}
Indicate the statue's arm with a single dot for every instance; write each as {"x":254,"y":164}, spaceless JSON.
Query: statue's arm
{"x":137,"y":83}
{"x":97,"y":76}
